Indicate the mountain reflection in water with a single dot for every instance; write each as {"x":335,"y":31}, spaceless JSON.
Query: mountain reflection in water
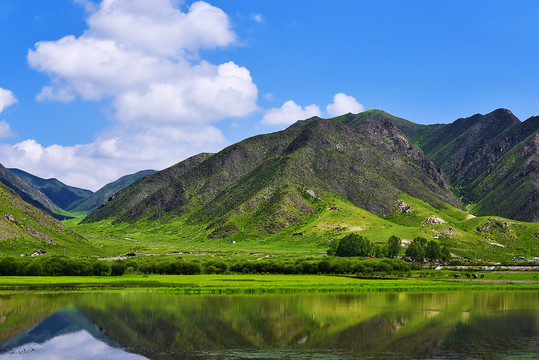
{"x":293,"y":326}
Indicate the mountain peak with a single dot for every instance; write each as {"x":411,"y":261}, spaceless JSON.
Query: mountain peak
{"x":504,"y":116}
{"x":501,"y":111}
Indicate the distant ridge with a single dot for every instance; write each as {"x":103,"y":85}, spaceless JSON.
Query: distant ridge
{"x":94,"y":200}
{"x":60,"y":193}
{"x":17,"y":186}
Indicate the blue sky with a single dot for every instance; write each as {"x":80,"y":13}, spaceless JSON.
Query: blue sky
{"x":93,"y":90}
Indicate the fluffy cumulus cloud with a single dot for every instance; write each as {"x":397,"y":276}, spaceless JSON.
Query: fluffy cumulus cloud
{"x":139,"y":52}
{"x":143,"y":55}
{"x":6,"y":99}
{"x":343,"y":104}
{"x":116,"y":152}
{"x":289,"y":113}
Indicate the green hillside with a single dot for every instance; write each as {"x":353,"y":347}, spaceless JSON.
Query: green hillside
{"x":269,"y":180}
{"x":25,"y":229}
{"x":17,"y":186}
{"x":490,"y":160}
{"x":310,"y":184}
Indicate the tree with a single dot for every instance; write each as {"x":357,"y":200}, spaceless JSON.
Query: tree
{"x":416,"y":250}
{"x":393,"y":246}
{"x":354,"y":245}
{"x":379,"y":251}
{"x":433,"y":251}
{"x":446,"y":255}
{"x":117,"y":268}
{"x":332,"y":250}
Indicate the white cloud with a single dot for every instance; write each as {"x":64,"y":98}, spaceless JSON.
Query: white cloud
{"x":343,"y":104}
{"x":116,"y":152}
{"x":56,"y":94}
{"x":6,"y":99}
{"x":143,"y":50}
{"x":5,"y":130}
{"x":289,"y":113}
{"x":159,"y":28}
{"x":143,"y":56}
{"x":211,"y":93}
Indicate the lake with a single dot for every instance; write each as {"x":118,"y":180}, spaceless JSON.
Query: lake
{"x":133,"y":325}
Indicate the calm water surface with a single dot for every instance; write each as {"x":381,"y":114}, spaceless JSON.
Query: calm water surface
{"x":452,"y":325}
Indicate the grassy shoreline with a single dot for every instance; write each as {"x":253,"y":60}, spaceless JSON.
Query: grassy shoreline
{"x":254,"y":284}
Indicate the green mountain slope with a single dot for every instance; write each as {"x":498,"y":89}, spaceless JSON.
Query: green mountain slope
{"x":24,"y":229}
{"x":92,"y":201}
{"x":264,"y":182}
{"x":323,"y":178}
{"x":17,"y":186}
{"x":61,"y":194}
{"x":491,"y":160}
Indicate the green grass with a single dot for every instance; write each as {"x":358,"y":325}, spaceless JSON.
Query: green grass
{"x":206,"y":284}
{"x":459,"y":233}
{"x":310,"y":235}
{"x":73,"y":218}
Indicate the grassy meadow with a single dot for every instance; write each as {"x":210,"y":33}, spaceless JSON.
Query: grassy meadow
{"x":256,"y":283}
{"x":502,"y":240}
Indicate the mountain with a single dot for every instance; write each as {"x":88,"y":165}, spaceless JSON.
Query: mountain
{"x":92,"y":201}
{"x":25,"y":229}
{"x":17,"y":186}
{"x":61,"y":194}
{"x":270,"y":182}
{"x":490,"y":160}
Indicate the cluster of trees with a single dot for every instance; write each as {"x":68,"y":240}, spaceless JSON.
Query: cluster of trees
{"x":57,"y":266}
{"x":419,"y":249}
{"x":357,"y":245}
{"x":277,"y":266}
